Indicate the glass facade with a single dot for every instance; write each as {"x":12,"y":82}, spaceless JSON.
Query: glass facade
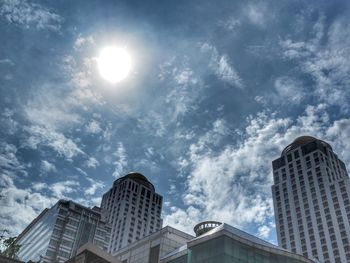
{"x":57,"y":233}
{"x":224,"y":249}
{"x":35,"y":242}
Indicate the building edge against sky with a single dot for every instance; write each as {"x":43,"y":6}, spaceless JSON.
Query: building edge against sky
{"x":131,"y":217}
{"x":311,"y":195}
{"x":225,"y":243}
{"x":151,"y":248}
{"x":133,"y":209}
{"x":57,"y":233}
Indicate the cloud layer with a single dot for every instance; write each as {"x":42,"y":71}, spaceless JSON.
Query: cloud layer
{"x":215,"y":93}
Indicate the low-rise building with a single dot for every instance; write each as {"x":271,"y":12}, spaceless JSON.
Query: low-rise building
{"x":227,"y":244}
{"x":90,"y":253}
{"x":151,"y":248}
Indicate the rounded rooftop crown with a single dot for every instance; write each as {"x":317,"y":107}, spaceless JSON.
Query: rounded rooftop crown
{"x":135,"y":175}
{"x":204,"y":227}
{"x":138,"y":177}
{"x":302,"y":140}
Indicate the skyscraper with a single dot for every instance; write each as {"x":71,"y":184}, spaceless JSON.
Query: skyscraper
{"x":57,"y":233}
{"x":311,"y":194}
{"x":133,"y":209}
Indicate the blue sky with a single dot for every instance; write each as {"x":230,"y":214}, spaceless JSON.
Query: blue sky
{"x":217,"y":89}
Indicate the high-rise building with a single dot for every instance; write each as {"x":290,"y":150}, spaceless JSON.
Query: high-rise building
{"x":57,"y":233}
{"x":133,"y":209}
{"x":311,"y":195}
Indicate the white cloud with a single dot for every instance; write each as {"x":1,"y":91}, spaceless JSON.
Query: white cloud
{"x":264,"y":231}
{"x":222,"y":67}
{"x":19,"y":206}
{"x":81,"y":74}
{"x":153,"y":122}
{"x":8,"y":158}
{"x":57,"y":141}
{"x":325,"y":58}
{"x":28,"y":15}
{"x":92,"y":162}
{"x":289,"y":91}
{"x":231,"y":23}
{"x":233,"y":185}
{"x":338,"y":134}
{"x":121,"y":160}
{"x":7,"y":61}
{"x":81,"y":41}
{"x":49,"y":108}
{"x":172,"y":189}
{"x":47,"y":166}
{"x":90,"y":202}
{"x":183,"y":88}
{"x":61,"y":189}
{"x":39,"y":186}
{"x":81,"y":171}
{"x":93,"y":127}
{"x":95,"y":185}
{"x":258,"y":14}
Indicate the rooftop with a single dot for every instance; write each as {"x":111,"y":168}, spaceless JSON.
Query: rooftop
{"x":300,"y":141}
{"x":138,"y":177}
{"x":241,"y":236}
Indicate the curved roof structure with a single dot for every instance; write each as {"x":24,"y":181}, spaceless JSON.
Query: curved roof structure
{"x":138,"y":177}
{"x":302,"y":140}
{"x":204,"y":227}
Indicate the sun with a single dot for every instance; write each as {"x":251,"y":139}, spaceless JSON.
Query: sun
{"x":114,"y":64}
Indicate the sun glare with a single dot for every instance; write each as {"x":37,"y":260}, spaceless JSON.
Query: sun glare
{"x":114,"y":64}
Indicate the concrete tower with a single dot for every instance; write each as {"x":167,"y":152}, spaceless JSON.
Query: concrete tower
{"x":133,"y":209}
{"x":311,"y":199}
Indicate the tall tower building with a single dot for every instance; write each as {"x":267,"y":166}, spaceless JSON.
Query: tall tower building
{"x":311,"y":195}
{"x":57,"y":233}
{"x":133,"y":209}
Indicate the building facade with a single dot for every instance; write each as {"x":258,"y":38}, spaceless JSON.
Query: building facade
{"x":89,"y":253}
{"x":311,"y":195}
{"x":151,"y":248}
{"x":57,"y":233}
{"x":133,"y":209}
{"x":227,"y":244}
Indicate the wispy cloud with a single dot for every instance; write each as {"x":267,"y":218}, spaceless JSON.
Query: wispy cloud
{"x":57,"y":141}
{"x":61,"y":189}
{"x":94,"y":186}
{"x":26,"y":14}
{"x":19,"y":206}
{"x":93,"y":127}
{"x":92,"y":162}
{"x":289,"y":91}
{"x":51,"y":108}
{"x":222,"y":67}
{"x":230,"y":23}
{"x":7,"y":61}
{"x":47,"y":167}
{"x":9,"y":163}
{"x":233,"y":185}
{"x":325,"y":58}
{"x":258,"y":13}
{"x":83,"y":40}
{"x":121,"y":161}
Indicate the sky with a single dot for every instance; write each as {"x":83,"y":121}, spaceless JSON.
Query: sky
{"x":217,"y":89}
